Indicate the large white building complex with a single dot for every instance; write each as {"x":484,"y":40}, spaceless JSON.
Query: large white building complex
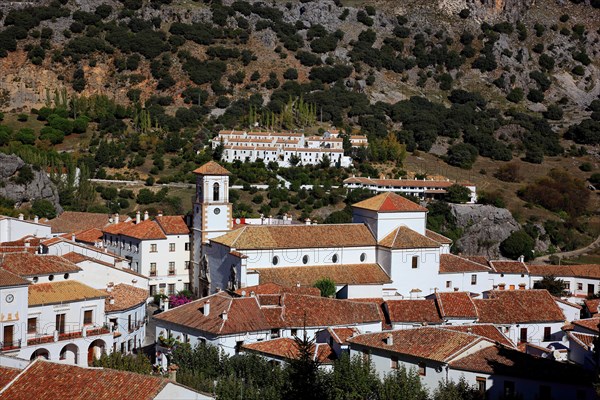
{"x":283,"y":147}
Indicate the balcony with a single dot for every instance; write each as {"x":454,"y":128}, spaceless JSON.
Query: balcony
{"x":152,"y":273}
{"x":58,"y":337}
{"x":171,"y":272}
{"x":136,"y":325}
{"x":10,"y":345}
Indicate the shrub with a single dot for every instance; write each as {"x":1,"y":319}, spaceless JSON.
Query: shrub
{"x":43,"y":208}
{"x":554,"y":112}
{"x":578,"y":70}
{"x":326,"y":286}
{"x":22,"y":117}
{"x":462,"y":155}
{"x":546,"y":62}
{"x":458,"y":194}
{"x":362,"y":17}
{"x":519,"y":243}
{"x":464,"y":13}
{"x":515,"y":95}
{"x":535,"y":96}
{"x":290,"y":74}
{"x":25,"y":136}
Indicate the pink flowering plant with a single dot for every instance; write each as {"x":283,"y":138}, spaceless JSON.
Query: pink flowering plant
{"x":179,"y":299}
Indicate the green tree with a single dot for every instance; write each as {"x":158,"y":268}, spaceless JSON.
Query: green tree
{"x":352,"y":378}
{"x":305,"y":381}
{"x":519,"y":243}
{"x":43,"y":208}
{"x":458,"y":194}
{"x":402,"y":384}
{"x":555,"y":286}
{"x":461,"y":390}
{"x":326,"y":286}
{"x":138,"y":363}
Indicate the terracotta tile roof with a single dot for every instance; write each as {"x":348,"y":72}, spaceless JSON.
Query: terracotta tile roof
{"x":487,"y":331}
{"x":455,"y":305}
{"x":428,"y":343}
{"x":478,"y":259}
{"x":509,"y":267}
{"x":287,"y":348}
{"x":125,"y":297}
{"x":7,"y":375}
{"x":25,"y":264}
{"x":580,"y":271}
{"x":147,"y":229}
{"x":341,"y":274}
{"x":592,"y":305}
{"x":48,"y":380}
{"x":17,"y":249}
{"x":92,"y":235}
{"x":211,"y":168}
{"x":274,"y":288}
{"x":449,"y":263}
{"x":405,"y":238}
{"x":389,"y":202}
{"x":115,"y":229}
{"x":297,"y":236}
{"x":173,"y":225}
{"x":25,"y":241}
{"x":437,"y":237}
{"x":75,"y":221}
{"x":413,"y":311}
{"x":568,"y":303}
{"x":75,"y":258}
{"x":498,"y":360}
{"x":341,"y":335}
{"x":7,"y":278}
{"x":590,"y":324}
{"x":297,"y":311}
{"x":585,"y":340}
{"x":243,"y":314}
{"x":518,"y":306}
{"x":62,"y":292}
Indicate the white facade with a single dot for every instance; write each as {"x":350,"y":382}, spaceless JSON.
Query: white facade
{"x":12,"y":229}
{"x":128,"y":327}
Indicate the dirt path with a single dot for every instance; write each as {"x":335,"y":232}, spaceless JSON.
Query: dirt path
{"x":569,"y":254}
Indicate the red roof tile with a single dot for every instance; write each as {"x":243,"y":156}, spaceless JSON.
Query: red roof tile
{"x":74,"y":221}
{"x":487,"y":331}
{"x":124,"y":297}
{"x":405,"y":238}
{"x":449,"y":263}
{"x":389,"y":202}
{"x":341,"y":335}
{"x":580,"y":271}
{"x":147,"y":229}
{"x":413,"y":311}
{"x":428,"y":343}
{"x":592,"y":305}
{"x":7,"y":375}
{"x":478,"y":259}
{"x":211,"y":168}
{"x":287,"y":348}
{"x":590,"y":324}
{"x":9,"y":279}
{"x":173,"y":225}
{"x":341,"y":274}
{"x":47,"y":380}
{"x":92,"y":236}
{"x":584,"y":339}
{"x":455,"y":305}
{"x":274,"y":288}
{"x":115,"y":229}
{"x":509,"y":267}
{"x":25,"y":264}
{"x":518,"y":306}
{"x":437,"y":237}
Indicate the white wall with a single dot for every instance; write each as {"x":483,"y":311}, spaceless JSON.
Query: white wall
{"x":175,"y":391}
{"x":98,"y":276}
{"x":137,"y":334}
{"x":12,"y":229}
{"x":14,"y":313}
{"x":462,"y":282}
{"x":405,"y":278}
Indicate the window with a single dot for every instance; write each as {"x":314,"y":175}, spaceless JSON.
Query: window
{"x":171,"y":289}
{"x":60,"y":323}
{"x":31,"y":325}
{"x":171,"y":267}
{"x":187,"y":246}
{"x":394,"y":363}
{"x":66,"y":276}
{"x":448,"y":284}
{"x":238,"y":346}
{"x":422,"y":369}
{"x":481,"y":384}
{"x":216,"y":192}
{"x":363,"y":257}
{"x":334,"y":259}
{"x":547,"y":334}
{"x":275,"y":260}
{"x":274,"y":333}
{"x":152,"y":269}
{"x":153,"y":248}
{"x":509,"y":388}
{"x":123,"y":347}
{"x":129,"y":324}
{"x":523,"y":335}
{"x":51,"y":277}
{"x":474,"y":279}
{"x":186,"y":286}
{"x":415,"y":262}
{"x":152,"y":290}
{"x":187,"y":265}
{"x":567,"y":285}
{"x":171,"y":246}
{"x":294,"y":332}
{"x":87,"y":317}
{"x":580,"y":286}
{"x":305,"y":259}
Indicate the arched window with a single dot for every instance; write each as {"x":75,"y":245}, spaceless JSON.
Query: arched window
{"x":216,"y":192}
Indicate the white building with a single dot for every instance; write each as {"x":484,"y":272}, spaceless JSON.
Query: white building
{"x":158,"y":249}
{"x":282,"y":147}
{"x":421,"y":188}
{"x":12,"y":229}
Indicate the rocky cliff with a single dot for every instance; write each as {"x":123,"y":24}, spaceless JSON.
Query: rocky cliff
{"x":22,"y":183}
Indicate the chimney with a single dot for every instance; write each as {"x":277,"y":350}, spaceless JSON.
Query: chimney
{"x":72,"y":237}
{"x":224,"y":315}
{"x":173,"y":372}
{"x":206,"y":308}
{"x":389,"y":339}
{"x":146,"y":216}
{"x":36,"y":219}
{"x":109,"y":287}
{"x":160,"y":213}
{"x":111,"y":300}
{"x":307,"y":221}
{"x":521,"y":258}
{"x":21,"y":216}
{"x":137,"y":217}
{"x":116,"y":218}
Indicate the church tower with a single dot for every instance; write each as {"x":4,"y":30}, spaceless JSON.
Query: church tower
{"x":212,"y":218}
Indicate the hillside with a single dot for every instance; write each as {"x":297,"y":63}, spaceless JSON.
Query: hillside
{"x":134,"y":89}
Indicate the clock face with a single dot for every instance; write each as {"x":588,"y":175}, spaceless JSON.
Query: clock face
{"x":217,"y":211}
{"x":10,"y":298}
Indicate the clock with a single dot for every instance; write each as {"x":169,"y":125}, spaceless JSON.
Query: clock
{"x":217,"y":211}
{"x":10,"y":298}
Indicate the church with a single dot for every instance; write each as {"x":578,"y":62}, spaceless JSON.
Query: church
{"x":386,"y":250}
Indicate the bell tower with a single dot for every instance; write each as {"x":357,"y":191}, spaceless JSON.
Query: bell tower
{"x":212,"y":217}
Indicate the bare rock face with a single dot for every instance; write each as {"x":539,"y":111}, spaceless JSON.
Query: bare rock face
{"x":484,"y":227}
{"x":40,"y":187}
